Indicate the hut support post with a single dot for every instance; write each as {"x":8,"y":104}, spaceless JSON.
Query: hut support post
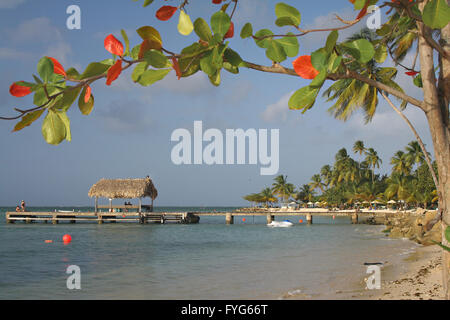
{"x":309,"y":218}
{"x":355,"y":218}
{"x":110,"y":205}
{"x":270,"y":218}
{"x":229,"y":218}
{"x":96,"y":205}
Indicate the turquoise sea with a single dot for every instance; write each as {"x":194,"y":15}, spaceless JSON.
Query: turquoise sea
{"x":209,"y":260}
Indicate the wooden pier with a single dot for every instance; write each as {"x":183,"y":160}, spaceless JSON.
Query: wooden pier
{"x":184,"y":217}
{"x":101,"y":217}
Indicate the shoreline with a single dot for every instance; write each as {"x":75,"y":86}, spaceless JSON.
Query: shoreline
{"x":422,"y":279}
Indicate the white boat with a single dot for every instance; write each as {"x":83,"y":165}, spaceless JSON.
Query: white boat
{"x":280,"y":224}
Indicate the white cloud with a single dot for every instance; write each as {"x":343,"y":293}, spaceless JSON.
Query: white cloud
{"x":12,"y":54}
{"x":38,"y":31}
{"x":10,"y":4}
{"x":277,"y":111}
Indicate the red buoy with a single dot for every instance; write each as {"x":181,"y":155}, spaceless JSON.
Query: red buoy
{"x":67,"y":238}
{"x":243,"y":219}
{"x":301,"y":221}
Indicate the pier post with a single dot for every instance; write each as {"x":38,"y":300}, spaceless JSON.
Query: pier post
{"x":8,"y":220}
{"x":270,"y":218}
{"x":100,"y":219}
{"x":229,"y":218}
{"x":309,"y":218}
{"x":55,"y":219}
{"x":355,"y":218}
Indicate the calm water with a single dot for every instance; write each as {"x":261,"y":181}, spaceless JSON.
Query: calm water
{"x":209,"y":260}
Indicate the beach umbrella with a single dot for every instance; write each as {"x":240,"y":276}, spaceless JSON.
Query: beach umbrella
{"x":392,"y":202}
{"x":366,"y":202}
{"x":310,"y":203}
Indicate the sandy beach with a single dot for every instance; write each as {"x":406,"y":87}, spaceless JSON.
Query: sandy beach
{"x":421,"y":281}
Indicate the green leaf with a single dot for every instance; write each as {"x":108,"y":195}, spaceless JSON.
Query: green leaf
{"x":303,"y":98}
{"x":202,"y":29}
{"x":381,"y":53}
{"x":230,"y":68}
{"x":275,"y":51}
{"x":319,"y":79}
{"x":68,"y":98}
{"x":233,"y":57}
{"x":283,"y":10}
{"x":447,"y":234}
{"x":45,"y":69}
{"x":54,"y":128}
{"x":418,"y":81}
{"x":185,"y":26}
{"x":127,"y":42}
{"x":210,"y":63}
{"x":190,"y":60}
{"x":319,"y":59}
{"x":85,"y":108}
{"x":361,"y":49}
{"x":290,"y":45}
{"x":286,"y":21}
{"x":215,"y":78}
{"x":147,"y":2}
{"x":28,"y":119}
{"x":220,"y":23}
{"x":95,"y":69}
{"x":138,"y":71}
{"x":151,"y":76}
{"x":263,"y":43}
{"x":156,"y":59}
{"x":331,"y":41}
{"x":65,"y":119}
{"x":72,"y":73}
{"x":334,"y":62}
{"x":247,"y":30}
{"x":436,"y":14}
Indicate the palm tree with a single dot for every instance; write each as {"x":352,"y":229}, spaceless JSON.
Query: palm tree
{"x":267,"y":196}
{"x":305,"y":193}
{"x":399,"y":187}
{"x":350,"y":95}
{"x":326,"y":174}
{"x":359,"y":147}
{"x":401,"y":163}
{"x":415,"y":153}
{"x":373,"y":160}
{"x":282,"y":188}
{"x":316,"y":182}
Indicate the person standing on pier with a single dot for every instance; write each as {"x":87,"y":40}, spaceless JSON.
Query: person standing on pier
{"x":23,"y":206}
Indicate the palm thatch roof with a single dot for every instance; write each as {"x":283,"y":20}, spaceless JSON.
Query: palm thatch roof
{"x":124,"y":189}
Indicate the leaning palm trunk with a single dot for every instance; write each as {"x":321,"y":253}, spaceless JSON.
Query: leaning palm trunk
{"x":422,"y":145}
{"x":436,"y":109}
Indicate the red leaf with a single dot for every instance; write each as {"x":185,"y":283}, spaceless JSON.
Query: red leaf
{"x":176,"y":67}
{"x":304,"y":68}
{"x":217,"y":1}
{"x":363,"y":12}
{"x":411,"y":73}
{"x":113,"y":45}
{"x":114,"y":72}
{"x":230,"y":32}
{"x":57,"y":67}
{"x":145,"y":46}
{"x":165,"y":12}
{"x":87,"y":95}
{"x":19,"y":91}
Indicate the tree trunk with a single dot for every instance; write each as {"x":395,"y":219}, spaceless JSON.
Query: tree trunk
{"x":436,"y":110}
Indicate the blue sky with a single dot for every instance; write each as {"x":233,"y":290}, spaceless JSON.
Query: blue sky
{"x":128,"y":132}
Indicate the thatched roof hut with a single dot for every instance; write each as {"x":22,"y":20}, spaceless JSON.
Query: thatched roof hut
{"x":124,"y":189}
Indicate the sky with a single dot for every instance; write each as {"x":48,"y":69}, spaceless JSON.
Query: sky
{"x":128,"y":133}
